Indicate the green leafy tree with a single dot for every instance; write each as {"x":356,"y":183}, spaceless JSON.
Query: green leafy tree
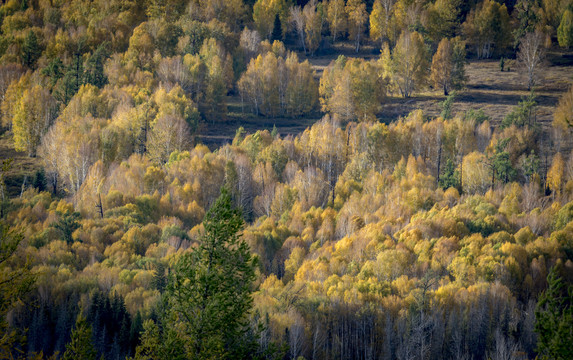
{"x":67,"y":224}
{"x":446,"y":106}
{"x":526,"y":13}
{"x":209,"y":292}
{"x":14,"y":284}
{"x":554,"y":319}
{"x":530,"y":165}
{"x":80,"y":346}
{"x":150,"y":345}
{"x":522,"y":115}
{"x":450,"y":177}
{"x":277,"y":33}
{"x":501,"y":162}
{"x":94,"y":73}
{"x":31,"y":49}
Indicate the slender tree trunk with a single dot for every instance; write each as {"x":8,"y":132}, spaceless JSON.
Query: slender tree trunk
{"x":99,"y":206}
{"x":439,"y":163}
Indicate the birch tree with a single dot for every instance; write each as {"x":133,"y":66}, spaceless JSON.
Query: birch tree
{"x":530,"y":56}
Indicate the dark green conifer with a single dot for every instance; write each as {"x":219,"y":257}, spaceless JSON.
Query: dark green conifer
{"x":554,"y":319}
{"x":80,"y":346}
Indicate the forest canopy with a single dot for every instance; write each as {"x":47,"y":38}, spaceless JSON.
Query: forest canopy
{"x":373,"y":232}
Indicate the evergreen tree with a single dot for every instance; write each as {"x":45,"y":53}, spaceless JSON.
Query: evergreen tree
{"x":526,"y":14}
{"x":446,"y":106}
{"x":530,"y":165}
{"x":209,"y":293}
{"x":14,"y":283}
{"x":80,"y":346}
{"x":524,"y":114}
{"x":54,"y":71}
{"x":31,"y":50}
{"x":134,"y":331}
{"x":277,"y":33}
{"x":501,"y":162}
{"x":150,"y":346}
{"x":71,"y":81}
{"x":40,"y":180}
{"x":67,"y":224}
{"x":450,"y":177}
{"x":94,"y":73}
{"x":554,"y":319}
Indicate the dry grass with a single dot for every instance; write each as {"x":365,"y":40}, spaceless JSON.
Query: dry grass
{"x":23,"y":167}
{"x":488,"y":89}
{"x":223,"y":131}
{"x":493,"y":91}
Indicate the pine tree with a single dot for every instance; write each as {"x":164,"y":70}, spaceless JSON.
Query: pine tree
{"x":209,"y":293}
{"x":14,"y":283}
{"x":70,"y":82}
{"x":54,"y":71}
{"x":67,"y":224}
{"x":150,"y":346}
{"x":94,"y":73}
{"x":450,"y":177}
{"x":31,"y":50}
{"x":134,"y":331}
{"x":80,"y":346}
{"x":446,"y":106}
{"x":554,"y":319}
{"x":277,"y":33}
{"x":501,"y":162}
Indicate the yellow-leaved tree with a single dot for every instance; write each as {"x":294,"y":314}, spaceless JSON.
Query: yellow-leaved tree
{"x":383,"y":22}
{"x":555,"y":175}
{"x":447,"y":70}
{"x":352,"y":89}
{"x":408,"y":67}
{"x":265,"y":13}
{"x":274,"y":85}
{"x":488,"y":28}
{"x":34,"y":112}
{"x":357,"y":18}
{"x":563,"y":115}
{"x":337,"y":19}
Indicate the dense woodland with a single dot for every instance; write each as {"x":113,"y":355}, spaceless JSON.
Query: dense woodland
{"x":426,"y":237}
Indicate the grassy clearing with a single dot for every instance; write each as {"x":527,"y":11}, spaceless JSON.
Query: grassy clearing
{"x":23,"y":168}
{"x":223,"y":131}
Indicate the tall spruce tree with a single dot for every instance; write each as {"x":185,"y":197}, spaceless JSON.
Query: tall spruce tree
{"x":277,"y":33}
{"x":31,"y":50}
{"x":80,"y":346}
{"x":14,"y":284}
{"x":209,"y":292}
{"x":554,"y":319}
